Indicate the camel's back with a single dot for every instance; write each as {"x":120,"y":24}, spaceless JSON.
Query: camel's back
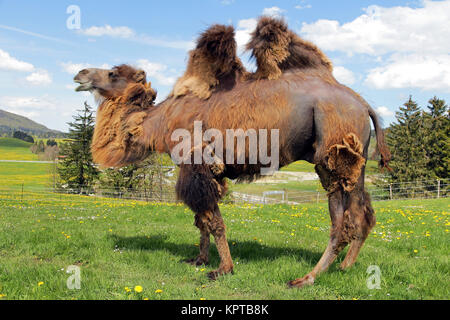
{"x":295,"y":104}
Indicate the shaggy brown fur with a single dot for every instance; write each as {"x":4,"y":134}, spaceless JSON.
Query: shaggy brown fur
{"x":119,"y":124}
{"x":213,"y":60}
{"x":345,"y":161}
{"x":277,"y":49}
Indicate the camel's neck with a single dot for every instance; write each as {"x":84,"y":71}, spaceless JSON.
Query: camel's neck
{"x":126,"y":134}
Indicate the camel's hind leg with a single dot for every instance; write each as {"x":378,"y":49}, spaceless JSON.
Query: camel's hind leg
{"x":336,"y":243}
{"x":363,"y":218}
{"x":342,"y":175}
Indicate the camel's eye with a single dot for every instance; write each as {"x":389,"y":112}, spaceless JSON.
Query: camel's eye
{"x":112,"y":75}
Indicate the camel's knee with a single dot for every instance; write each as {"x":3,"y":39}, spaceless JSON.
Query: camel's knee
{"x":344,"y":163}
{"x":210,"y":222}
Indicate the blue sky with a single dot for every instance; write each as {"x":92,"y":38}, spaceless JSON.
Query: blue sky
{"x":384,"y":50}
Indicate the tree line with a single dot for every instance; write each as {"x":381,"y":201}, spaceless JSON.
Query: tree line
{"x":419,"y":142}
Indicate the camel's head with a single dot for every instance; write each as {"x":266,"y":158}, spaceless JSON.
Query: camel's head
{"x":108,"y":83}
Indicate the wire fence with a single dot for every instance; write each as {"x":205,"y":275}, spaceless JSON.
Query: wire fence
{"x":21,"y":191}
{"x":394,"y":191}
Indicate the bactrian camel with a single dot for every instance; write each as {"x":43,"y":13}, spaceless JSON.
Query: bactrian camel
{"x":293,"y":90}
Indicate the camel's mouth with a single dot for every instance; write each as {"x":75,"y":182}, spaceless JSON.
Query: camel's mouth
{"x":84,"y":85}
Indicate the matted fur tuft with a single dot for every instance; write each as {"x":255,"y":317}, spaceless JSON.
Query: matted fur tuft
{"x":119,"y":124}
{"x":277,"y":49}
{"x":214,"y":58}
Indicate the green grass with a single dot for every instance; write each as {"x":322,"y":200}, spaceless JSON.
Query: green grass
{"x":31,"y":175}
{"x":303,"y":166}
{"x":299,"y":166}
{"x":15,"y":149}
{"x":123,"y":244}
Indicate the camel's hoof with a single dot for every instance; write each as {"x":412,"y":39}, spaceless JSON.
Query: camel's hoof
{"x":344,"y":266}
{"x":301,"y":282}
{"x":213,"y":275}
{"x":197,"y":261}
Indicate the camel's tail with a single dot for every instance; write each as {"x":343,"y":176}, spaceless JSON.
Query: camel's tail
{"x":381,"y":144}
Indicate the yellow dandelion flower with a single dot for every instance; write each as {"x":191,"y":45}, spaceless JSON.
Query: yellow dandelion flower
{"x":415,"y":251}
{"x":158,"y":291}
{"x":40,"y":283}
{"x":138,"y":289}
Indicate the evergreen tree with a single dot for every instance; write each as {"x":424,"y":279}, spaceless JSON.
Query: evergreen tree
{"x":40,"y":147}
{"x":76,"y":169}
{"x":148,"y":179}
{"x":406,"y":140}
{"x":51,"y":143}
{"x":437,"y":124}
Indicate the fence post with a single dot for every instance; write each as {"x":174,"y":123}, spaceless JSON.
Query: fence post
{"x":439,"y":188}
{"x":318,"y":195}
{"x":390,"y":191}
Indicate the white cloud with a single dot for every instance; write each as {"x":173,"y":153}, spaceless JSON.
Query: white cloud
{"x":427,"y":72}
{"x":384,"y":111}
{"x":41,"y":103}
{"x":344,"y":75}
{"x":273,"y":11}
{"x":127,"y":33}
{"x":383,"y":30}
{"x":40,"y":77}
{"x":301,"y":7}
{"x":156,"y":71}
{"x":7,"y":62}
{"x":244,"y":29}
{"x":107,"y":30}
{"x":74,"y":68}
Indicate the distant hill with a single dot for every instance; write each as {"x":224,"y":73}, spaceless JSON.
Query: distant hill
{"x":10,"y":122}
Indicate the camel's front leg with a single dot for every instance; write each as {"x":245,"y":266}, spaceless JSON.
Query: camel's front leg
{"x":202,"y":223}
{"x":336,"y":243}
{"x":217,"y":227}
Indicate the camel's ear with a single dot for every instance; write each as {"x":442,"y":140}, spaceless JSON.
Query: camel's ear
{"x":140,"y":77}
{"x":138,"y":94}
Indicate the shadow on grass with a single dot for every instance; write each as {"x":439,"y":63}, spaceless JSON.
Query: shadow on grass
{"x":242,"y":251}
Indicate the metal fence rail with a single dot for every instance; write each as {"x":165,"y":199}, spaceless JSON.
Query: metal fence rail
{"x":408,"y":190}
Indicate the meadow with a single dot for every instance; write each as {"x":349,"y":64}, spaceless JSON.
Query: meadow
{"x":133,"y":250}
{"x":15,"y":149}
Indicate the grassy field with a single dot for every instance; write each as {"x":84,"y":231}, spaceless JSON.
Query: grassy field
{"x":15,"y":149}
{"x":121,"y":245}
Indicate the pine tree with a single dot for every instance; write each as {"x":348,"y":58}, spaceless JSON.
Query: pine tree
{"x":437,"y":124}
{"x":407,"y":144}
{"x":76,"y":170}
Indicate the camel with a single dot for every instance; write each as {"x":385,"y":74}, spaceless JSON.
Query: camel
{"x":319,"y":120}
